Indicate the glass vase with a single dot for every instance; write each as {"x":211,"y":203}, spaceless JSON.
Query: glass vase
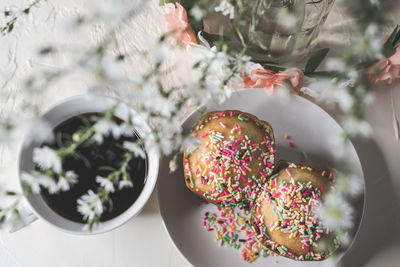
{"x":286,"y":30}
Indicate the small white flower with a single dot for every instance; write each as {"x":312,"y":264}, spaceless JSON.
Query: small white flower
{"x":344,"y":99}
{"x":105,"y":183}
{"x":32,"y":180}
{"x":159,"y":50}
{"x":354,"y":127}
{"x":166,"y":137}
{"x":309,"y":91}
{"x":13,"y":219}
{"x":216,"y":65}
{"x":190,"y":143}
{"x":287,"y":18}
{"x":243,"y":63}
{"x":126,"y":130}
{"x":172,"y":165}
{"x":344,"y":238}
{"x":162,"y":53}
{"x":197,"y":12}
{"x":122,"y":112}
{"x":152,"y":100}
{"x":48,"y":183}
{"x":47,"y":158}
{"x":226,"y":8}
{"x":335,"y":212}
{"x":376,"y":3}
{"x":330,"y":91}
{"x":367,"y":45}
{"x":134,"y":148}
{"x":125,"y":183}
{"x":112,"y":68}
{"x":98,"y":138}
{"x":39,"y":129}
{"x":90,"y":205}
{"x":104,"y":126}
{"x":64,"y":182}
{"x":349,"y":184}
{"x":335,"y":64}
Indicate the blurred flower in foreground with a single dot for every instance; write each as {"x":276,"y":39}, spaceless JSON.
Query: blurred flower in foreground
{"x":330,"y":92}
{"x":354,"y":127}
{"x":349,"y":184}
{"x":336,"y":213}
{"x":47,"y":158}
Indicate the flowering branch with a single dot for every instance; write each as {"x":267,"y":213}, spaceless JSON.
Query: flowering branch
{"x":13,"y":16}
{"x":92,"y":205}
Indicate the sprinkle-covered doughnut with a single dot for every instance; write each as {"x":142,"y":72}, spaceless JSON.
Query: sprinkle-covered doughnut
{"x":285,"y":214}
{"x":235,"y":155}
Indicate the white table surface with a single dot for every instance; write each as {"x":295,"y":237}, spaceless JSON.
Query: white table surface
{"x":143,"y":240}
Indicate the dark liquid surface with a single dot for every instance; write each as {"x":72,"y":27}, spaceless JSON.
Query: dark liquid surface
{"x":107,"y":154}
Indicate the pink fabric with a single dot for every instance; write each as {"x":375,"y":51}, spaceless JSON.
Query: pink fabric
{"x":177,"y":21}
{"x":387,"y":69}
{"x":270,"y":81}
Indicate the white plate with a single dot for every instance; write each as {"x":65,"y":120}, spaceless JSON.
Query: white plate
{"x":311,"y":130}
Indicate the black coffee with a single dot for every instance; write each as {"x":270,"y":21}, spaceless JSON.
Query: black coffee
{"x":109,"y":153}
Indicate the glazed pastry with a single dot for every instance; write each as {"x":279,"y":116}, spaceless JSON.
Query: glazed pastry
{"x":285,"y":218}
{"x":234,"y":156}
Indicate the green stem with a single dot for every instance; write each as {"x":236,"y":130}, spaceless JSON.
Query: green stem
{"x":86,"y":135}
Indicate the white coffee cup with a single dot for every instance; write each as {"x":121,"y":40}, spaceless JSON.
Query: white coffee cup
{"x":63,"y":111}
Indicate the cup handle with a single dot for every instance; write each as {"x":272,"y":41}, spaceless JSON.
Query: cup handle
{"x":28,"y":218}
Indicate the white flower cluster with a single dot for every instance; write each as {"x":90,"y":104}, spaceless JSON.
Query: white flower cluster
{"x":336,"y":212}
{"x":134,"y":148}
{"x":35,"y":180}
{"x":226,"y":8}
{"x":332,"y":91}
{"x":221,"y":73}
{"x":49,"y":163}
{"x":90,"y":206}
{"x":47,"y":158}
{"x":105,"y":127}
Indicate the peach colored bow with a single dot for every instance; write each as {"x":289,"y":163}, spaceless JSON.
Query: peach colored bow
{"x":270,"y":81}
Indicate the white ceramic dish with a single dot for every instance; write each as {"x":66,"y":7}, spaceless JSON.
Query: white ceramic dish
{"x":311,"y":130}
{"x":62,"y":111}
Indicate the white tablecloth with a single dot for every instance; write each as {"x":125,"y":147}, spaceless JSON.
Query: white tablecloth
{"x":143,"y":241}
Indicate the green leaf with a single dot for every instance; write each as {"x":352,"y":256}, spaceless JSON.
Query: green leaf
{"x":11,"y":193}
{"x":107,"y":168}
{"x":389,"y":47}
{"x":328,"y":74}
{"x":163,"y":2}
{"x":272,"y":67}
{"x":315,"y":60}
